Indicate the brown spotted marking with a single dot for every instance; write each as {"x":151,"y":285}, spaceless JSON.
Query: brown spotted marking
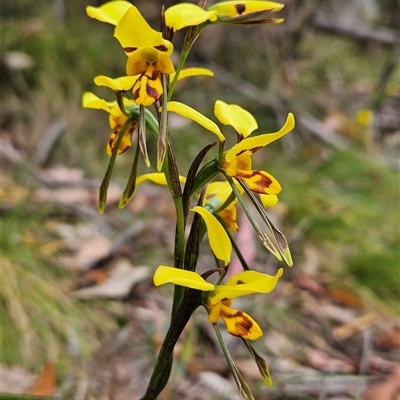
{"x":136,"y":93}
{"x":130,"y":49}
{"x":243,"y":325}
{"x":161,"y":48}
{"x":240,"y":8}
{"x":253,"y":150}
{"x":151,"y":92}
{"x":262,"y":181}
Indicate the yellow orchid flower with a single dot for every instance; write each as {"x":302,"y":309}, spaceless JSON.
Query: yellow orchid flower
{"x":126,"y":83}
{"x":177,"y":17}
{"x":117,"y":119}
{"x":219,"y":297}
{"x":237,"y":161}
{"x":148,"y":55}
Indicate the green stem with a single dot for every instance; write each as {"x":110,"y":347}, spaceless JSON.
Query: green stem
{"x":182,"y":60}
{"x":162,"y":369}
{"x":120,"y":102}
{"x":180,"y":221}
{"x":225,"y":350}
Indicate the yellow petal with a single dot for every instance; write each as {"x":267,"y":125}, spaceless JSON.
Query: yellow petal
{"x":147,"y":91}
{"x":239,"y":323}
{"x":233,"y":9}
{"x":237,"y":117}
{"x":185,"y":14}
{"x":126,"y":141}
{"x":229,"y":215}
{"x":90,"y":100}
{"x":181,"y":277}
{"x":110,"y":12}
{"x":133,"y":31}
{"x":215,"y":311}
{"x":259,"y":181}
{"x":191,"y":113}
{"x":217,"y":237}
{"x":193,"y":71}
{"x":157,"y":177}
{"x":245,"y":283}
{"x":123,"y":83}
{"x":253,"y":144}
{"x":269,"y":200}
{"x":148,"y":60}
{"x":216,"y":194}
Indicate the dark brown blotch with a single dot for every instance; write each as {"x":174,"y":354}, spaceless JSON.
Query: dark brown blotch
{"x":240,"y":8}
{"x":152,"y":92}
{"x":243,"y":325}
{"x":161,"y":48}
{"x":130,"y":49}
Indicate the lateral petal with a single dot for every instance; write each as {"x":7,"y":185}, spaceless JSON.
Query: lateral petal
{"x":90,"y":100}
{"x":189,"y":112}
{"x":110,"y":12}
{"x":122,"y":84}
{"x":165,"y":274}
{"x":192,"y":71}
{"x":156,"y":177}
{"x":255,"y":143}
{"x":245,"y":283}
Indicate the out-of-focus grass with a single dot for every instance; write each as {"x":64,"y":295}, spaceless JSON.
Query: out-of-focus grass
{"x":39,"y":320}
{"x":350,"y":203}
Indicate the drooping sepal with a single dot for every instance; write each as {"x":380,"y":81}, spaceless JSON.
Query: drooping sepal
{"x":132,"y":181}
{"x":261,"y":363}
